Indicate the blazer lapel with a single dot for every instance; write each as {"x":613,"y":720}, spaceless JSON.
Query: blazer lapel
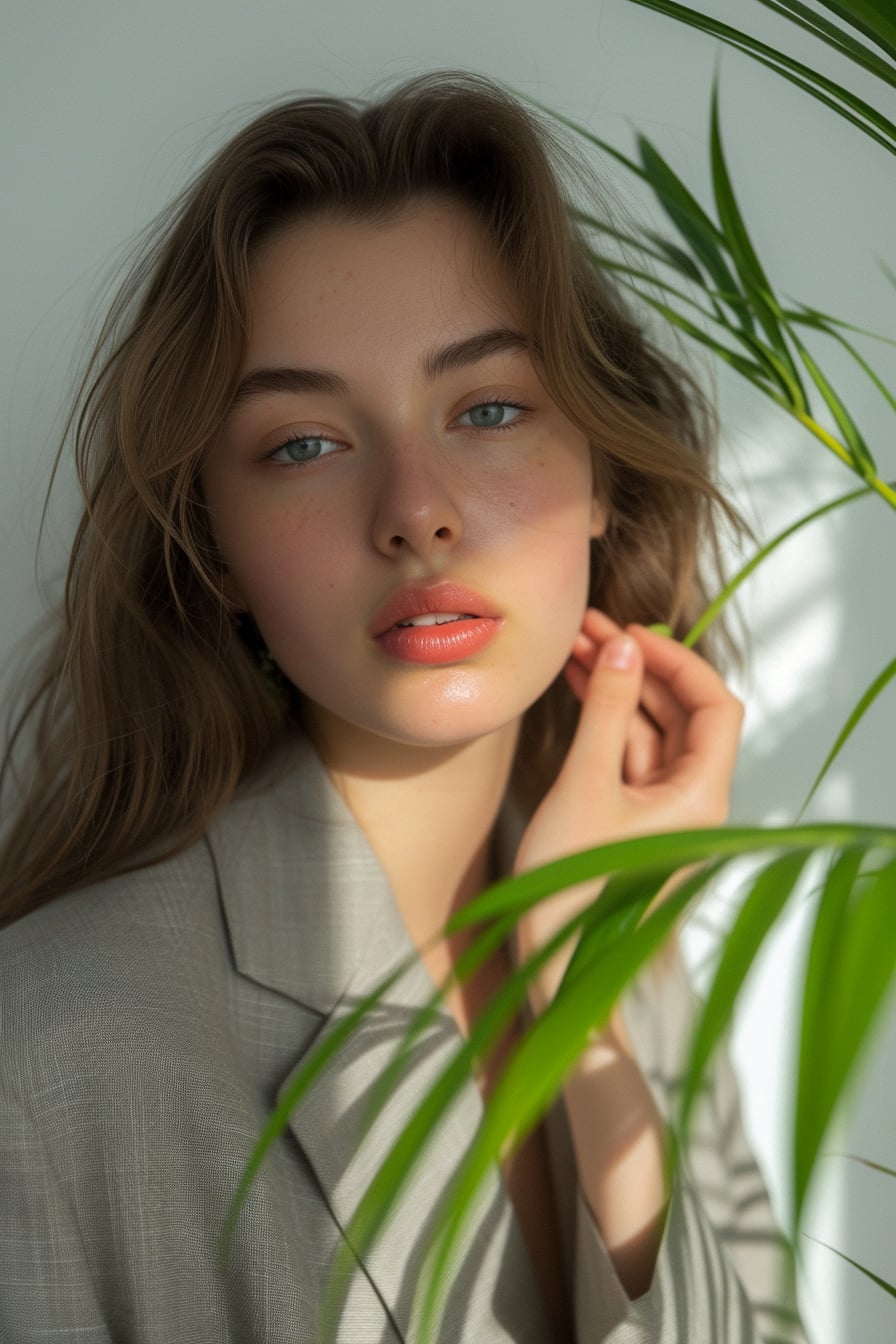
{"x":311,"y":915}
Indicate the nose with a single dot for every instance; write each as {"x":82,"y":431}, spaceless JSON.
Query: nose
{"x":417,"y":510}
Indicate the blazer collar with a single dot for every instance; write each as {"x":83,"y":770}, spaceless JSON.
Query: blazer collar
{"x":300,"y":886}
{"x":305,"y":898}
{"x":312,"y":916}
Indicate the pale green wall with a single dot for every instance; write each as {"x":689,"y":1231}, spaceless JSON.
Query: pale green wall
{"x":107,"y":107}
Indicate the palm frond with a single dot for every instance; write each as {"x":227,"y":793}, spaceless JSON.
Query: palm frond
{"x":875,"y":1278}
{"x":619,"y":932}
{"x":865,"y":18}
{"x":866,"y":700}
{"x":715,"y":607}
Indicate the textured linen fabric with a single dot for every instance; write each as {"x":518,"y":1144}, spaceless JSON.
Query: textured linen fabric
{"x":148,"y":1026}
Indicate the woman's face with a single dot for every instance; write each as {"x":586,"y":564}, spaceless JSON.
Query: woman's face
{"x":374,"y":462}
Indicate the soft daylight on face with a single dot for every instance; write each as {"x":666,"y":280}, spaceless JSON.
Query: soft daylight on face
{"x":399,"y":488}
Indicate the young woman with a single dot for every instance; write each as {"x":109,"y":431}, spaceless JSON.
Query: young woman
{"x":383,"y":486}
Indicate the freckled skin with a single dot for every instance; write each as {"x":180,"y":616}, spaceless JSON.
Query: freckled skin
{"x":411,"y":487}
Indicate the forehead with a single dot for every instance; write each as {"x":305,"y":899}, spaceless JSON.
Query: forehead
{"x":430,"y":262}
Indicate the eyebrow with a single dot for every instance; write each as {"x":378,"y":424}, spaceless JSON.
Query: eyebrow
{"x":436,"y":363}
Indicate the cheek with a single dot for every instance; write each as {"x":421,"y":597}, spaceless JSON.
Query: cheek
{"x":547,"y":522}
{"x":286,"y":569}
{"x":540,"y":541}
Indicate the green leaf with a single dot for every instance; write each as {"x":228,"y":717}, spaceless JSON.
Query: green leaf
{"x":677,"y":848}
{"x":866,"y":1162}
{"x":765,"y":372}
{"x":768,"y":896}
{"x":583,"y":1000}
{"x":753,"y":278}
{"x":875,"y":20}
{"x":385,"y":1189}
{"x":749,"y":369}
{"x":875,"y":1278}
{"x":535,"y":1074}
{"x":835,"y":37}
{"x":853,"y":962}
{"x":676,"y":257}
{"x":705,"y":620}
{"x":833,"y":95}
{"x":830,"y":328}
{"x":466,"y":965}
{"x":825,"y":322}
{"x":864,"y":462}
{"x":705,"y":240}
{"x":886,"y":139}
{"x":818,"y":1006}
{"x":782,"y":370}
{"x":630,"y":274}
{"x":880,"y":682}
{"x":315,"y":1063}
{"x":622,"y":903}
{"x":660,"y":249}
{"x":835,"y":447}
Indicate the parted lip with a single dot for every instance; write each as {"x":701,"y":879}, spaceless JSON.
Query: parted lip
{"x":428,"y":599}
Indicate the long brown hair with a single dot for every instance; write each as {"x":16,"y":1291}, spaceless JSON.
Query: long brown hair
{"x":150,"y":708}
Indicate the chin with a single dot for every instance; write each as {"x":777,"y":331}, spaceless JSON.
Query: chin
{"x":450,"y":709}
{"x":444,"y":731}
{"x":433,"y":726}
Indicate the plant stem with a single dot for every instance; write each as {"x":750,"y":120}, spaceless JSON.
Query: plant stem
{"x":880,"y":487}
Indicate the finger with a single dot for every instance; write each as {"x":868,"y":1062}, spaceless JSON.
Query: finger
{"x":646,"y":748}
{"x":660,"y":706}
{"x":609,"y":706}
{"x":684,"y":695}
{"x":596,"y":629}
{"x":691,"y":679}
{"x":644,"y":752}
{"x":666,"y":714}
{"x":713,"y":716}
{"x":598,"y":626}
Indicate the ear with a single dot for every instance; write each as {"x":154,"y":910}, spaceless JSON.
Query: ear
{"x":600,"y":516}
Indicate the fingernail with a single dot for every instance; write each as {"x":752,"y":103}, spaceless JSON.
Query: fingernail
{"x":619,"y":653}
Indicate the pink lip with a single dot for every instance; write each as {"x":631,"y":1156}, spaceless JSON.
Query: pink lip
{"x":451,"y":642}
{"x":413,"y":601}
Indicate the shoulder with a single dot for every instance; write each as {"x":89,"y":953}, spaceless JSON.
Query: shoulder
{"x":105,"y":965}
{"x":112,"y":916}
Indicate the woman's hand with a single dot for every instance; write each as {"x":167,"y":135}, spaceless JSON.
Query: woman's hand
{"x":654,"y":750}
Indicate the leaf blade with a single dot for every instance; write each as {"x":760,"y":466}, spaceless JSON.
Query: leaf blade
{"x":769,"y":894}
{"x":749,"y":268}
{"x":705,"y":620}
{"x":545,"y":1055}
{"x":834,"y":95}
{"x":865,"y":701}
{"x":859,"y":975}
{"x":861,"y":456}
{"x":816,"y":1006}
{"x":875,"y":1278}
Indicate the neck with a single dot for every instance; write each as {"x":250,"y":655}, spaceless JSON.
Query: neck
{"x":428,"y":813}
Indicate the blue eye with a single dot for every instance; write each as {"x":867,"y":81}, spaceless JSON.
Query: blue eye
{"x":492,"y":409}
{"x":301,"y":448}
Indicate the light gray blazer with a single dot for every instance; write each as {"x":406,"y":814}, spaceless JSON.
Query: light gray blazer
{"x":148,"y":1025}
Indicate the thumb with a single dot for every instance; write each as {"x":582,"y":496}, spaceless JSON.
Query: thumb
{"x":608,"y":710}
